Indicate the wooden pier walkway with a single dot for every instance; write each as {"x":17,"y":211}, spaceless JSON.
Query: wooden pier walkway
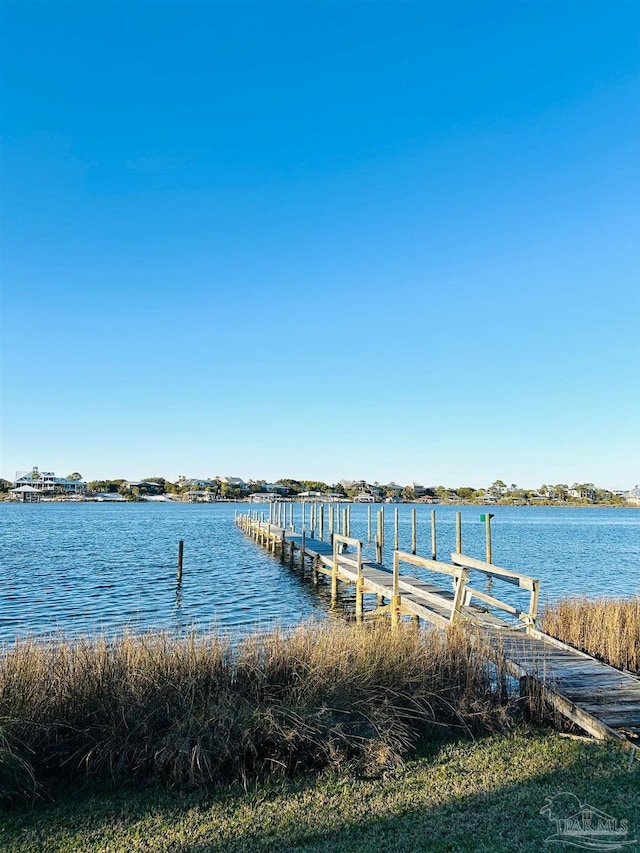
{"x":600,"y":699}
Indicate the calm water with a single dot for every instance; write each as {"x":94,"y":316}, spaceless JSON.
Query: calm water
{"x":84,"y":568}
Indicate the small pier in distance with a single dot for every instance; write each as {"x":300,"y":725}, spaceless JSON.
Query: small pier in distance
{"x":600,"y":699}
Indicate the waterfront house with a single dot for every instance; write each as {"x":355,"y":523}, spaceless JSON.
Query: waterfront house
{"x":143,"y":487}
{"x":193,"y":483}
{"x":633,"y":496}
{"x":418,"y":490}
{"x":233,"y":483}
{"x":46,"y":483}
{"x":393,"y":489}
{"x":278,"y":488}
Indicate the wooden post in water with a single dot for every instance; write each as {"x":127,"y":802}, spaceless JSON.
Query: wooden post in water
{"x":487,"y":526}
{"x":321,"y":522}
{"x":459,"y":533}
{"x":433,"y":535}
{"x":382,"y":528}
{"x":379,"y":538}
{"x":369,"y":523}
{"x":331,"y":522}
{"x":303,"y":546}
{"x":180,"y":556}
{"x":312,"y":520}
{"x":396,"y":530}
{"x":414,"y":530}
{"x":348,"y":519}
{"x":344,"y":522}
{"x":303,"y":514}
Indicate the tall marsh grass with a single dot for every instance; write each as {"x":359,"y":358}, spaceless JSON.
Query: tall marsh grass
{"x":200,"y":711}
{"x":608,"y":629}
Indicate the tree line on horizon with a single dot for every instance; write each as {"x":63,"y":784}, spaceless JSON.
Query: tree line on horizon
{"x":499,"y":490}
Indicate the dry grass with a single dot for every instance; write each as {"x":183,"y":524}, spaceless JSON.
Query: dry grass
{"x":608,"y":629}
{"x":199,"y":711}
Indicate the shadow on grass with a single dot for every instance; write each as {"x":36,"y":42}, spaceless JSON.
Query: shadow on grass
{"x":482,"y":796}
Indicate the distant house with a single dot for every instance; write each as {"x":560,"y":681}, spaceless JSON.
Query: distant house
{"x":364,"y":498}
{"x":583,"y":492}
{"x":233,"y":483}
{"x":143,"y":486}
{"x":633,"y":496}
{"x":418,"y":490}
{"x":193,"y":483}
{"x":278,"y":488}
{"x":393,"y":488}
{"x":46,"y":482}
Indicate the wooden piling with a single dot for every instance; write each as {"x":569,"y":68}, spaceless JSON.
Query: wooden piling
{"x":180,"y":556}
{"x":331,"y":513}
{"x":433,"y":535}
{"x":303,"y":546}
{"x":487,"y":527}
{"x":414,"y":531}
{"x":369,"y":523}
{"x":459,"y":533}
{"x":396,"y":530}
{"x":322,"y":522}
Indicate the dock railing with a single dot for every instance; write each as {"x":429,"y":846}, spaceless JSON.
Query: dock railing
{"x":458,"y":574}
{"x":514,"y":578}
{"x":338,"y":541}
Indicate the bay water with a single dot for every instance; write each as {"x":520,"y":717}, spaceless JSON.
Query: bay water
{"x":88,"y":568}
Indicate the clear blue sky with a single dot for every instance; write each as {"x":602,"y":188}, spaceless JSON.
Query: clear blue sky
{"x":322,"y":239}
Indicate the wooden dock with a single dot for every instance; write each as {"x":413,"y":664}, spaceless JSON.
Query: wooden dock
{"x":600,"y":699}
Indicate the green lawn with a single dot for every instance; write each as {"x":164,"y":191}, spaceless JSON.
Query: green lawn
{"x":482,"y":796}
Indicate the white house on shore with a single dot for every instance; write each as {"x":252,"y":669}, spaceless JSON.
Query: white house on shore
{"x":46,"y":483}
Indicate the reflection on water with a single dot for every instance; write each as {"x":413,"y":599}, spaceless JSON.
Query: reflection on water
{"x":102,"y":568}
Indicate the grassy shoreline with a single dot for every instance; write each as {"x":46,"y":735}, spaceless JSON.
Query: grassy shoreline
{"x":483,"y":795}
{"x":606,"y":628}
{"x":200,"y":711}
{"x":331,"y":737}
